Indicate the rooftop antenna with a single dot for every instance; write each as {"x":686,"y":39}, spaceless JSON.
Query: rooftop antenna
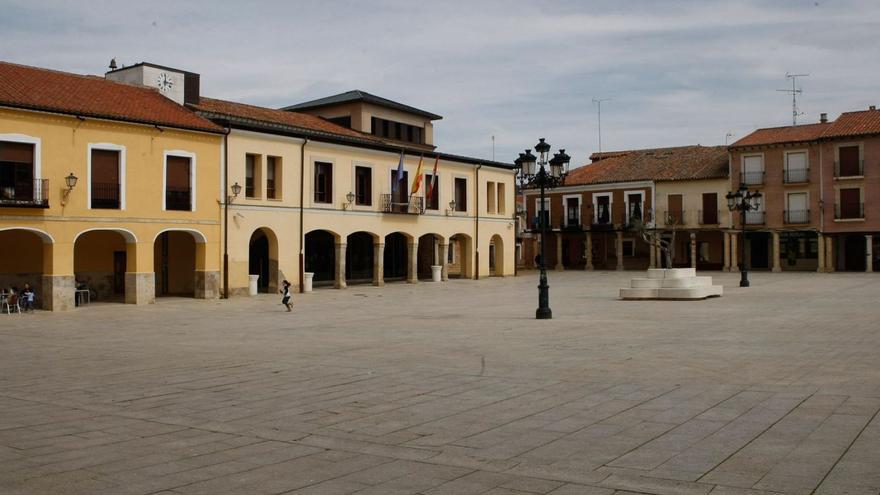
{"x":493,"y":147}
{"x":598,"y":102}
{"x":794,"y":92}
{"x":726,"y":137}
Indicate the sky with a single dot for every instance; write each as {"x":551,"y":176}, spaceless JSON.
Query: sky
{"x":674,"y":72}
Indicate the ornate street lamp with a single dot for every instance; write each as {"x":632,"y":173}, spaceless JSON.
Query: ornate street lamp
{"x":544,"y":173}
{"x":743,"y":201}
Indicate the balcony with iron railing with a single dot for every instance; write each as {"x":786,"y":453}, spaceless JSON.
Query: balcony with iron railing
{"x":25,"y":194}
{"x":106,"y":195}
{"x":572,"y":221}
{"x":672,"y":217}
{"x":752,"y":178}
{"x":849,"y":169}
{"x":709,"y":217}
{"x":796,"y":216}
{"x":413,"y":205}
{"x":796,"y":175}
{"x":849,"y":211}
{"x":754,"y":218}
{"x":636,"y":212}
{"x":178,"y":198}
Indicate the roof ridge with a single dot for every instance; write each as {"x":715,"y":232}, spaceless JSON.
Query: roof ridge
{"x":90,"y":77}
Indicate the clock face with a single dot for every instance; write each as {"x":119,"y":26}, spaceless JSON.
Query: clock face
{"x":164,"y":82}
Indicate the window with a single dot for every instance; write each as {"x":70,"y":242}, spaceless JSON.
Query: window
{"x":323,"y":182}
{"x":461,"y":194}
{"x":849,"y":163}
{"x":17,"y":182}
{"x":629,"y":247}
{"x":363,"y":186}
{"x":432,"y":192}
{"x":104,"y":184}
{"x":502,"y":199}
{"x":178,"y":182}
{"x":796,"y":167}
{"x":540,"y":220}
{"x":709,"y":215}
{"x":603,"y":209}
{"x":250,"y":174}
{"x":753,"y":170}
{"x":796,"y":209}
{"x":572,"y":211}
{"x":674,"y":213}
{"x":850,"y":205}
{"x":634,"y":208}
{"x":396,"y":130}
{"x":273,"y":166}
{"x":343,"y":121}
{"x":491,"y":207}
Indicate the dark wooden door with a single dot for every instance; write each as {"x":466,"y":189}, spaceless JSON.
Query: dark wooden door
{"x":710,"y":208}
{"x":119,"y":264}
{"x":673,"y":203}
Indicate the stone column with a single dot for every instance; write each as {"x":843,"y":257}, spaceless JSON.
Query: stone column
{"x":734,"y":267}
{"x":693,"y":250}
{"x":379,"y":264}
{"x":559,"y":265}
{"x":140,"y":277}
{"x":619,"y":249}
{"x":588,"y":246}
{"x":869,"y":253}
{"x":726,"y":252}
{"x":412,"y":274}
{"x":652,"y":255}
{"x":339,"y":283}
{"x":777,"y":266}
{"x":830,"y":262}
{"x":444,"y":257}
{"x":820,"y":248}
{"x":58,"y":282}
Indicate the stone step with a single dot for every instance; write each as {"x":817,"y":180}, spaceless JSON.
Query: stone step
{"x":672,"y":272}
{"x":682,"y":283}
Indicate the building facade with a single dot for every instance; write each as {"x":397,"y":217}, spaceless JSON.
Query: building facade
{"x":592,"y":217}
{"x":153,"y":210}
{"x":819,"y":183}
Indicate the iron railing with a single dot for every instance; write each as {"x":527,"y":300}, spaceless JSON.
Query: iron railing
{"x":602,"y":215}
{"x":796,"y":216}
{"x":105,"y":195}
{"x":178,"y":198}
{"x":28,"y":194}
{"x":709,"y":217}
{"x":674,"y":217}
{"x":849,"y":169}
{"x":754,"y":218}
{"x":752,"y":178}
{"x":849,"y":211}
{"x":796,"y":175}
{"x":414,"y":205}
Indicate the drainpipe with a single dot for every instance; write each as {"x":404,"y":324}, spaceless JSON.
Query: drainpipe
{"x":477,"y":224}
{"x":821,"y":196}
{"x":225,"y":199}
{"x":302,"y":199}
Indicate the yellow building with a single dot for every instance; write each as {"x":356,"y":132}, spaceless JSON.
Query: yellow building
{"x":103,"y":185}
{"x":121,"y":188}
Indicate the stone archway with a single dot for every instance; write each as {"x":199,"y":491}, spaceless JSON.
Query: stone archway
{"x":428,"y":255}
{"x":25,"y":261}
{"x":360,"y":258}
{"x":496,"y":256}
{"x":101,"y":260}
{"x":320,"y":256}
{"x":460,"y":256}
{"x":263,"y":259}
{"x":395,"y":257}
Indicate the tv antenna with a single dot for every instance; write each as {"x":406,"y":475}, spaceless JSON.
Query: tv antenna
{"x":726,"y":137}
{"x":598,"y":102}
{"x":794,"y":92}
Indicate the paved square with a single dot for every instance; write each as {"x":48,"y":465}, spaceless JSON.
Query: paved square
{"x":452,"y":389}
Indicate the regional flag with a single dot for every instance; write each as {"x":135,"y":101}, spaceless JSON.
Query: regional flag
{"x":396,"y":186}
{"x":433,"y":183}
{"x":417,"y":180}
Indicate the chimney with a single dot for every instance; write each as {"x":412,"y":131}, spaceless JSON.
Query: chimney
{"x":823,"y":117}
{"x":872,"y":107}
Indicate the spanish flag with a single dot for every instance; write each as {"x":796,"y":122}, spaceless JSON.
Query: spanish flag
{"x":417,"y":180}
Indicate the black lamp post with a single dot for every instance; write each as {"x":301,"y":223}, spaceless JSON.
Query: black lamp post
{"x":743,"y":201}
{"x":541,"y":172}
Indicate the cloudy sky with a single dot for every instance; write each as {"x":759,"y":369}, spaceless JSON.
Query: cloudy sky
{"x":677,"y":72}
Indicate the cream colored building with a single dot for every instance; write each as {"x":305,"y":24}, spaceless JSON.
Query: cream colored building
{"x":317,"y":198}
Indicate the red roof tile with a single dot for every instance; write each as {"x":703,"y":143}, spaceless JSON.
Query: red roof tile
{"x":779,"y":135}
{"x":282,"y":117}
{"x":658,"y":164}
{"x":855,"y":124}
{"x":92,"y":96}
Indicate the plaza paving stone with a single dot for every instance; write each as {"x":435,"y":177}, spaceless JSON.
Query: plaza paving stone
{"x":452,"y":388}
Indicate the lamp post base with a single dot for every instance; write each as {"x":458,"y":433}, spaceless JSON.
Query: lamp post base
{"x":543,"y":312}
{"x":744,"y":280}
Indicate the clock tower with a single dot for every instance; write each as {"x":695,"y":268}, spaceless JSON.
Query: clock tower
{"x":175,"y":84}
